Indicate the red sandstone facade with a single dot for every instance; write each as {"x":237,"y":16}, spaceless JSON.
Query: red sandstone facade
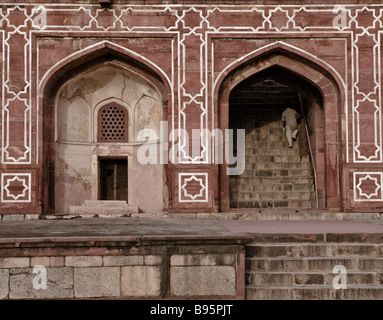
{"x":190,"y":56}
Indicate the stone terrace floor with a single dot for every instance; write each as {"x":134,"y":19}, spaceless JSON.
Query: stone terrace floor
{"x":95,"y":228}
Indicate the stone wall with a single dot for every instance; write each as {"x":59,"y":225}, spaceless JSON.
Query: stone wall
{"x":84,"y":270}
{"x":198,"y":52}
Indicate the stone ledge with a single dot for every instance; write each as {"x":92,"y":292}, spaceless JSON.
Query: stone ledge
{"x":279,"y":215}
{"x":112,"y":215}
{"x":100,"y":210}
{"x":262,"y":214}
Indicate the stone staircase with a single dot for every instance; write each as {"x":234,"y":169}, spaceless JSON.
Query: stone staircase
{"x":279,"y":270}
{"x":275,"y":176}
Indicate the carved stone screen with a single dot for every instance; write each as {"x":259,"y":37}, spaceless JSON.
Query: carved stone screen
{"x":112,"y":123}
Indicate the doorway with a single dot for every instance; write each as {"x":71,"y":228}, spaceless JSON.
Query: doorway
{"x":113,"y":179}
{"x":275,"y":176}
{"x":320,"y":97}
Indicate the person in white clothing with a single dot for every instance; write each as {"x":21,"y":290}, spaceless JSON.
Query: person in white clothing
{"x":290,"y":125}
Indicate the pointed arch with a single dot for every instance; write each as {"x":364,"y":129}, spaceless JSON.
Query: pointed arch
{"x":78,"y":63}
{"x":287,"y":50}
{"x":96,"y":51}
{"x":309,"y":69}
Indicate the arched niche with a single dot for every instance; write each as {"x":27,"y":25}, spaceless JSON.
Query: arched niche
{"x":73,"y":92}
{"x":318,"y":87}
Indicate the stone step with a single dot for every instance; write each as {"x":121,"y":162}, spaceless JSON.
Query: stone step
{"x":279,"y":158}
{"x":266,"y":136}
{"x":105,"y":203}
{"x":269,"y":139}
{"x":264,"y":204}
{"x":280,"y":144}
{"x":244,"y":187}
{"x":313,"y":249}
{"x":269,"y":151}
{"x":276,"y":165}
{"x":276,"y":173}
{"x":67,"y":216}
{"x":273,"y":195}
{"x":294,"y":264}
{"x":254,"y":180}
{"x":314,"y":293}
{"x":308,"y":238}
{"x":93,"y":210}
{"x":102,"y":207}
{"x":265,"y":130}
{"x":282,"y":279}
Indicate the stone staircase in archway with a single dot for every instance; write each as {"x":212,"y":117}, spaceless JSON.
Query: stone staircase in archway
{"x":275,"y":176}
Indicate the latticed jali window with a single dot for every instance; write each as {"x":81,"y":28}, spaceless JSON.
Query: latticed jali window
{"x":112,"y":123}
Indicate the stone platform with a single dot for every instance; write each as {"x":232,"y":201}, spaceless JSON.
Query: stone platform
{"x":126,"y":258}
{"x":133,"y":258}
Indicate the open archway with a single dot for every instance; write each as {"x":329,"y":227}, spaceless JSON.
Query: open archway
{"x":321,"y":103}
{"x":74,"y":156}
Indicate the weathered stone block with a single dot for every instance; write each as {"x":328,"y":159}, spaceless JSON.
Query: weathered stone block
{"x":306,"y":278}
{"x":355,"y":250}
{"x":182,"y":215}
{"x":152,"y":260}
{"x":137,"y":260}
{"x":193,"y":260}
{"x":56,"y":261}
{"x":4,"y":283}
{"x":202,"y":280}
{"x":219,"y":215}
{"x":264,"y":293}
{"x":96,"y":282}
{"x":59,"y":283}
{"x":31,"y":217}
{"x":101,"y":210}
{"x":140,"y":281}
{"x":14,"y":262}
{"x":43,"y":261}
{"x":226,"y":259}
{"x":269,"y":279}
{"x":13,"y":217}
{"x":203,"y":215}
{"x":83,"y":261}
